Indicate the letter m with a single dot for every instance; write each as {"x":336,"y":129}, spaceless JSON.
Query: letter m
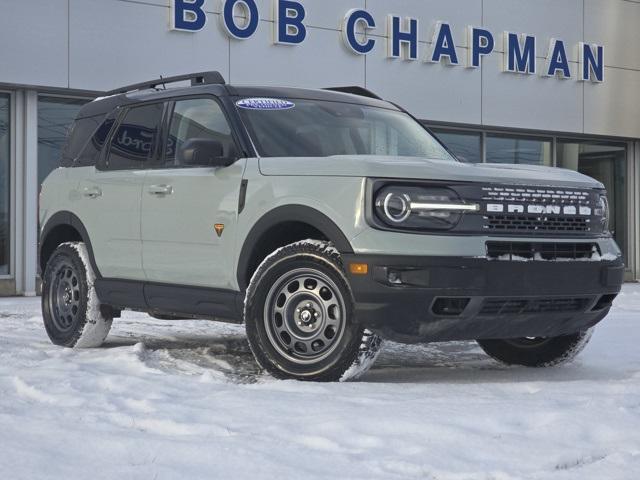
{"x":519,"y":53}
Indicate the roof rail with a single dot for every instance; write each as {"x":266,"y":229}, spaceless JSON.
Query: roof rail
{"x":202,"y":78}
{"x":355,"y":90}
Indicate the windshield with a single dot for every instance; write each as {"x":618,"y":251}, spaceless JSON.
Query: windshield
{"x":312,"y":128}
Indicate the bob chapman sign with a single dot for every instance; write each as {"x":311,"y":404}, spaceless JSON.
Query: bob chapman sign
{"x":240,"y":18}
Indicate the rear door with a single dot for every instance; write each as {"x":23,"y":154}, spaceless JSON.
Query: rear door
{"x":189,"y":213}
{"x":110,"y":195}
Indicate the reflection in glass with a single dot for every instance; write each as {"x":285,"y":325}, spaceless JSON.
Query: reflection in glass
{"x":607,"y":163}
{"x":132,"y":145}
{"x":516,"y":149}
{"x":314,"y":128}
{"x":466,"y":146}
{"x":5,"y":184}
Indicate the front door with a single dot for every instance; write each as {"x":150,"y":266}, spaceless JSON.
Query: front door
{"x":189,"y":212}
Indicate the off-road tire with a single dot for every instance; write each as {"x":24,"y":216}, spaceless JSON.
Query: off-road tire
{"x":71,"y":310}
{"x":354,"y":349}
{"x":548,"y":352}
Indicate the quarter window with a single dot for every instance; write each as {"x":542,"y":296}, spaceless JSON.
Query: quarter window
{"x":80,"y":132}
{"x":133,"y":143}
{"x":200,"y":118}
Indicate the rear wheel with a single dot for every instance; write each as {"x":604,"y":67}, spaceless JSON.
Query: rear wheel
{"x":536,"y":351}
{"x":71,"y":311}
{"x":299,"y":317}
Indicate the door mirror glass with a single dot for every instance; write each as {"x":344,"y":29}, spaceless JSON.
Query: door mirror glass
{"x":203,"y":152}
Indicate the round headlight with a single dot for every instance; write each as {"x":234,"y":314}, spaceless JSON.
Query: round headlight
{"x":416,"y":207}
{"x":397,"y":207}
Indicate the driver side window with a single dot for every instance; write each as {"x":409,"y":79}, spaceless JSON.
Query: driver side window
{"x":198,"y":118}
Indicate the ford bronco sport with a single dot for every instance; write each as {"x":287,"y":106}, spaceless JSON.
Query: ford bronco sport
{"x":325,"y":220}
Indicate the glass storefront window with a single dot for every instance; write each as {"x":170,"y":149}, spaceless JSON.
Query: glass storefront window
{"x":607,"y":163}
{"x":5,"y":183}
{"x":466,"y":146}
{"x":55,"y":116}
{"x":519,"y":149}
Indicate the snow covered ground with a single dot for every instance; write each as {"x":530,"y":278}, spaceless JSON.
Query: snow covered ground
{"x":184,"y":400}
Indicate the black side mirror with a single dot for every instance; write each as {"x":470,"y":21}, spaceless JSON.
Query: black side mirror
{"x":203,"y":152}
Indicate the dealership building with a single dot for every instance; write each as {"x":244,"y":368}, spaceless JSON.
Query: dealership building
{"x":542,"y":82}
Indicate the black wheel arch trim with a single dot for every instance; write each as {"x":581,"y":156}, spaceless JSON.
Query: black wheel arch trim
{"x":65,"y":218}
{"x":284,"y":214}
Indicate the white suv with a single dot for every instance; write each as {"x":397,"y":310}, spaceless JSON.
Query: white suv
{"x":324,"y":220}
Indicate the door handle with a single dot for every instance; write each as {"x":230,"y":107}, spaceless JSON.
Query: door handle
{"x":92,"y":192}
{"x":160,"y":190}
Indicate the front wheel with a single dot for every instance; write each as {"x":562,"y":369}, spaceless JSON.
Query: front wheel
{"x":299,"y":317}
{"x":535,"y":351}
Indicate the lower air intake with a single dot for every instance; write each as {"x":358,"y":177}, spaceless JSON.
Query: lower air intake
{"x":521,"y":306}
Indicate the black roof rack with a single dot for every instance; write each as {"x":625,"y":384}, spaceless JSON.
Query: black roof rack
{"x":202,"y":78}
{"x":355,"y":90}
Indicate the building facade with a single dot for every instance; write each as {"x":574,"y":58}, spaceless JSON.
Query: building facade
{"x":544,"y":82}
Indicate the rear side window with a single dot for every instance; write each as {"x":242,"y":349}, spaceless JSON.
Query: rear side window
{"x":133,"y":143}
{"x":81,"y":130}
{"x":200,"y":118}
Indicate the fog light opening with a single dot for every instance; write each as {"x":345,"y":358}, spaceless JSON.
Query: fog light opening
{"x":394,"y":277}
{"x":450,"y":307}
{"x":605,"y":301}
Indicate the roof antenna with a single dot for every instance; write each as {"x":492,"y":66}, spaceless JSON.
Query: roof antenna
{"x":164,"y":85}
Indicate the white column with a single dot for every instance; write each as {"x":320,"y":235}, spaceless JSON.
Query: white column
{"x":30,"y":194}
{"x":17,"y":195}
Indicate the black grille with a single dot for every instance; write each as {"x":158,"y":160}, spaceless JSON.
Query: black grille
{"x":548,"y":251}
{"x":539,"y":211}
{"x":520,"y":306}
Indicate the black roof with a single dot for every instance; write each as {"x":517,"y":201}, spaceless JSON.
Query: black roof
{"x":105,"y":105}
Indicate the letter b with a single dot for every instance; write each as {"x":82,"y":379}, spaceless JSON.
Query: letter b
{"x":288,"y":21}
{"x":188,"y":15}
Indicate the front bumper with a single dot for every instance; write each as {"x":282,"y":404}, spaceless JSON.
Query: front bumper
{"x":415,"y":299}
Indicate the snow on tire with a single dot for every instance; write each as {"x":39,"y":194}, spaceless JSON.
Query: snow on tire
{"x":300,"y":318}
{"x":71,"y":309}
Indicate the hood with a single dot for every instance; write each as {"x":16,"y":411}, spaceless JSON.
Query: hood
{"x":425,"y":169}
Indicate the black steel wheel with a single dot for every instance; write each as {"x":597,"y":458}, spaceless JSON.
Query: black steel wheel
{"x":65,"y":295}
{"x":304,"y":315}
{"x":70,"y":308}
{"x":299,"y":317}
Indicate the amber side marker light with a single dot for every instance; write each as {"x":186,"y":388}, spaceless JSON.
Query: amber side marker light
{"x":359,"y":268}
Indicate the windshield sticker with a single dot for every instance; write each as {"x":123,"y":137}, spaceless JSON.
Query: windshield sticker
{"x":265,"y":104}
